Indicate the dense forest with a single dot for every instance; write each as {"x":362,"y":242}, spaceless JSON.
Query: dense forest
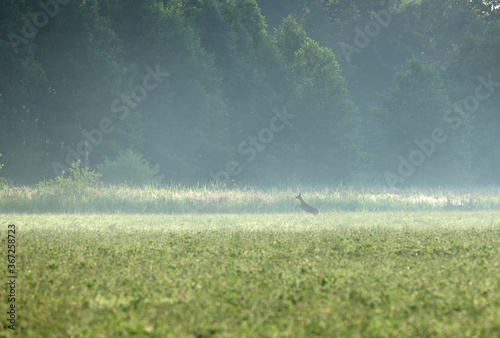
{"x":277,"y":92}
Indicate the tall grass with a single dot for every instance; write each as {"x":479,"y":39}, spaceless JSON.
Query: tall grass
{"x":179,"y":199}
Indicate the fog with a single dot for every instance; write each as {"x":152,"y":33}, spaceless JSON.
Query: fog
{"x":243,"y":92}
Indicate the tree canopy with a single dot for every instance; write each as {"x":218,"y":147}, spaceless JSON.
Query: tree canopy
{"x":244,"y":91}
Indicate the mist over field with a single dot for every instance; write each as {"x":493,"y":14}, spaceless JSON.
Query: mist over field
{"x":265,"y":93}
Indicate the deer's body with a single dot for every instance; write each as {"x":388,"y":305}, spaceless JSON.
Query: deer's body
{"x":306,"y":207}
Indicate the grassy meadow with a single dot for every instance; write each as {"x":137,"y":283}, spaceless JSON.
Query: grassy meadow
{"x":428,"y":273}
{"x":78,"y":196}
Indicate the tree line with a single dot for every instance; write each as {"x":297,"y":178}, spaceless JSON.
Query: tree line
{"x":242,"y":91}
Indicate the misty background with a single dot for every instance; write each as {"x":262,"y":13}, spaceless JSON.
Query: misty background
{"x":277,"y":92}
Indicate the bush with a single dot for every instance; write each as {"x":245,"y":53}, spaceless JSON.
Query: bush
{"x":2,"y":180}
{"x":129,"y":168}
{"x":78,"y":182}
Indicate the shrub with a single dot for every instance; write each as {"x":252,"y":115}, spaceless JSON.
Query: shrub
{"x":129,"y":168}
{"x":79,"y":181}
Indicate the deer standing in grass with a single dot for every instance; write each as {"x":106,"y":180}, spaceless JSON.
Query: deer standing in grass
{"x":305,"y":206}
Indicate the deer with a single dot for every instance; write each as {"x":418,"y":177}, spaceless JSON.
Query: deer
{"x":305,"y":206}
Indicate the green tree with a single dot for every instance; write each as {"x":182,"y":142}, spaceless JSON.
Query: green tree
{"x":22,"y":78}
{"x":182,"y":122}
{"x":252,"y":79}
{"x":326,"y":138}
{"x":83,"y":60}
{"x":474,"y":77}
{"x":418,"y":140}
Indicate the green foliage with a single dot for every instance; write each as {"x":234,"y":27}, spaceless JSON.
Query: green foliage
{"x":326,"y":127}
{"x":2,"y":180}
{"x":474,"y":74}
{"x":129,"y":168}
{"x":79,"y":182}
{"x":92,"y":64}
{"x":22,"y":83}
{"x":348,"y":275}
{"x":410,"y":115}
{"x":186,"y":108}
{"x":289,"y":38}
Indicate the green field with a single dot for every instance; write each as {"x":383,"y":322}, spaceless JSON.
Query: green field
{"x":387,"y":274}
